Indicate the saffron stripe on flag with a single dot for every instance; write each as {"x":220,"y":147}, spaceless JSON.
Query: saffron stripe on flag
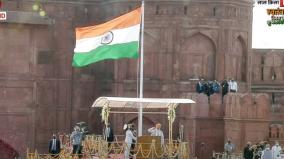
{"x":124,"y":21}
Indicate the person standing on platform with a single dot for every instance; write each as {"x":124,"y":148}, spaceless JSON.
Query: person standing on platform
{"x":76,"y":140}
{"x":156,"y":131}
{"x":199,"y":87}
{"x":108,"y":134}
{"x":129,"y":137}
{"x":248,"y":151}
{"x":225,"y":87}
{"x":216,"y":86}
{"x":276,"y":151}
{"x":229,"y":148}
{"x":266,"y":153}
{"x":54,"y":146}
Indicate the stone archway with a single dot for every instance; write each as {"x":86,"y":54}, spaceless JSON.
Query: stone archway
{"x":197,"y":58}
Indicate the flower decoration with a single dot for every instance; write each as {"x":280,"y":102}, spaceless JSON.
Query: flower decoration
{"x":105,"y":114}
{"x":171,"y":114}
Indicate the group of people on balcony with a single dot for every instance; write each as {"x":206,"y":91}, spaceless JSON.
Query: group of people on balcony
{"x":262,"y":150}
{"x":211,"y":87}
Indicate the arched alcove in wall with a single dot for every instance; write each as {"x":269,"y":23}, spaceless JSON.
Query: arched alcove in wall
{"x":237,"y":60}
{"x":272,"y":67}
{"x":197,"y":57}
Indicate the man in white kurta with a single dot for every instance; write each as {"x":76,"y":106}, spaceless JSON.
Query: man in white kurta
{"x":266,"y":153}
{"x":128,"y":141}
{"x":156,"y":131}
{"x":276,"y":151}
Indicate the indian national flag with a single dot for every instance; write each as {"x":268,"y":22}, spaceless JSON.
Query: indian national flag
{"x":115,"y":39}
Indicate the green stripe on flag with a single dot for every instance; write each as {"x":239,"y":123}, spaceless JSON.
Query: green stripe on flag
{"x":117,"y":51}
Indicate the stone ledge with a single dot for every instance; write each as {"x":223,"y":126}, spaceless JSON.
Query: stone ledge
{"x":27,"y":18}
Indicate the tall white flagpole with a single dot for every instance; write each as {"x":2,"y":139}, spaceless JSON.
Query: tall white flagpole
{"x":140,"y":115}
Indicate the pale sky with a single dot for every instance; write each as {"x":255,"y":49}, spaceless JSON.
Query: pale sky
{"x":264,"y":36}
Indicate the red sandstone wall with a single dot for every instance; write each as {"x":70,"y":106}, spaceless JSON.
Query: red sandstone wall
{"x":209,"y":40}
{"x":246,"y":118}
{"x":241,"y":117}
{"x":40,"y":93}
{"x":267,"y":63}
{"x":267,"y":73}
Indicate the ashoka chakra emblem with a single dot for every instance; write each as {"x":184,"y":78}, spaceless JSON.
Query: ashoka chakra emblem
{"x":107,"y":38}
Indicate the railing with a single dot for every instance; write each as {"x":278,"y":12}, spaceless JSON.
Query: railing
{"x":224,"y":155}
{"x":96,"y":147}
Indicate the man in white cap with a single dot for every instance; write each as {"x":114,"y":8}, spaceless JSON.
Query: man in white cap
{"x":276,"y":151}
{"x":129,"y":137}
